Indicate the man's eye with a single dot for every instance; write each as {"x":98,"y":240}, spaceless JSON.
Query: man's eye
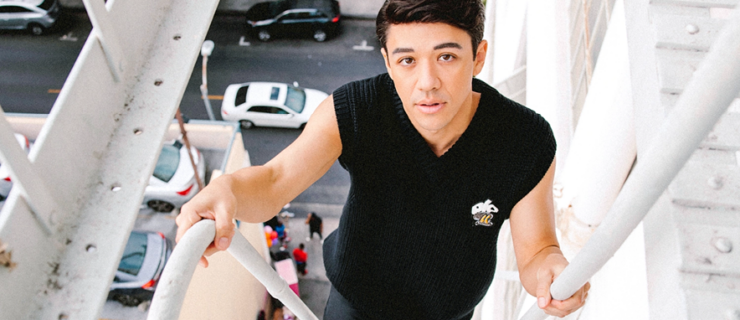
{"x":406,"y":61}
{"x":446,"y":57}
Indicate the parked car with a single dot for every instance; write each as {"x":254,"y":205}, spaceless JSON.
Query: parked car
{"x":317,"y":18}
{"x":270,"y":104}
{"x":5,"y":181}
{"x":21,"y":15}
{"x":140,"y":268}
{"x":173,"y":181}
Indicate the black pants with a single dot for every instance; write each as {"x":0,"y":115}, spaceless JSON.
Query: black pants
{"x":338,"y":308}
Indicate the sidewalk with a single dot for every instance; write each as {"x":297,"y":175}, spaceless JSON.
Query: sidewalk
{"x":314,"y":286}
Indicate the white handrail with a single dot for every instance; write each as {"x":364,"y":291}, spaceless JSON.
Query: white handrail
{"x":170,"y":293}
{"x":710,"y":91}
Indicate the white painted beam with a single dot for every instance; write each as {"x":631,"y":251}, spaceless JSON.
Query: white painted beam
{"x":96,"y":153}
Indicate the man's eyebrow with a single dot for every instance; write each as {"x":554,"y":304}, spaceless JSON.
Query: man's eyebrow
{"x":448,"y":45}
{"x":437,"y":47}
{"x":402,"y":50}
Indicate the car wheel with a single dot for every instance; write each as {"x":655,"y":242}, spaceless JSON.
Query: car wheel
{"x":127,"y":300}
{"x":246,"y":124}
{"x":319,"y":35}
{"x":160,"y":206}
{"x":36,"y":29}
{"x":264,"y":35}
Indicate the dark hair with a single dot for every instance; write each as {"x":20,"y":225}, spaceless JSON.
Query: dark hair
{"x":468,"y":15}
{"x":301,"y":246}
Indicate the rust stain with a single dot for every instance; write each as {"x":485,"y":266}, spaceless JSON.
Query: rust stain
{"x":6,"y":257}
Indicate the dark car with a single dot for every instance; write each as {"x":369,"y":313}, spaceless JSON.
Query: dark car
{"x":141,"y":265}
{"x":316,"y":18}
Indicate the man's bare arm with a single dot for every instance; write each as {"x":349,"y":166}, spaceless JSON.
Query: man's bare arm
{"x":255,"y":194}
{"x":537,"y":250}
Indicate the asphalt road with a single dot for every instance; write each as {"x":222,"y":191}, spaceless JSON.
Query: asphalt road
{"x":34,"y":68}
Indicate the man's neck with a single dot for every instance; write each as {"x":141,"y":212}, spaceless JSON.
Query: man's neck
{"x":442,"y":140}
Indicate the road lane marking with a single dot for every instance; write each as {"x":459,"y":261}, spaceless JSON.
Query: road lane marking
{"x":363,"y":47}
{"x":68,"y":37}
{"x":214,"y":97}
{"x":244,"y":43}
{"x":54,"y":91}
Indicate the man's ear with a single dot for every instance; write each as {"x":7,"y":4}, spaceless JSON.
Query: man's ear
{"x":387,"y":62}
{"x":480,"y":57}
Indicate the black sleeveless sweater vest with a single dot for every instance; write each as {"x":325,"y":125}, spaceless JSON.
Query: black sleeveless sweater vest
{"x":417,"y":237}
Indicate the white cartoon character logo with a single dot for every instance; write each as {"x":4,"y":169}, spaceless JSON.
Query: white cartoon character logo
{"x":483,"y":213}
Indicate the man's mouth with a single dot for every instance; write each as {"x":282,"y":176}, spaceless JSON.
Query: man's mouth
{"x":429,"y":108}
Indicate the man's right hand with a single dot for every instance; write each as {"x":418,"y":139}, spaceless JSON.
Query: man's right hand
{"x":216,"y":202}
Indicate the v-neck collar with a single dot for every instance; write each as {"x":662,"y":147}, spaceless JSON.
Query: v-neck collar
{"x":428,"y":160}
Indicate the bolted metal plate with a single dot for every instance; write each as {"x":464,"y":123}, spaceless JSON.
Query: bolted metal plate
{"x":710,"y":249}
{"x":713,"y":305}
{"x":699,"y":3}
{"x":686,"y":32}
{"x":709,"y":179}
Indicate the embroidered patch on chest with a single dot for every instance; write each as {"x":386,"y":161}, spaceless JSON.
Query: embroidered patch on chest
{"x":483,"y":213}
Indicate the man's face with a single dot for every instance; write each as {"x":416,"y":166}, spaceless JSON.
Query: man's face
{"x":432,"y":66}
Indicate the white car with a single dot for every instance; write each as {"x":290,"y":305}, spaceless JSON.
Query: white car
{"x":173,"y":181}
{"x":25,"y":16}
{"x":270,"y":104}
{"x":5,"y":182}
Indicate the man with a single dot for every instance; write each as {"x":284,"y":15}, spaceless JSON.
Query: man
{"x":438,"y":161}
{"x":315,"y":225}
{"x":301,"y":257}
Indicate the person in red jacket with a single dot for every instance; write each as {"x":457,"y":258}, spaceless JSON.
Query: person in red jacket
{"x":300,"y":257}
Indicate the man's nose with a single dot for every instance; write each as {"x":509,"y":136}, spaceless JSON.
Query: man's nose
{"x":428,"y":76}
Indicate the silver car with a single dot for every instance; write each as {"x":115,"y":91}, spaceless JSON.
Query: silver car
{"x":21,"y":15}
{"x":140,"y":268}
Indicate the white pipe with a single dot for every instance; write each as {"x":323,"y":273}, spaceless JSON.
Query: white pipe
{"x":178,"y":272}
{"x":710,"y":91}
{"x":170,"y":294}
{"x":603,"y":147}
{"x":548,"y":72}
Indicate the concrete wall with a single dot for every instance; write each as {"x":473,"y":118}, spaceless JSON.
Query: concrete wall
{"x":349,"y":8}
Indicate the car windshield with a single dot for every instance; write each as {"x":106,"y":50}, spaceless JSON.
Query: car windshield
{"x":295,"y":99}
{"x":133,"y":255}
{"x":46,"y":5}
{"x":168,"y":162}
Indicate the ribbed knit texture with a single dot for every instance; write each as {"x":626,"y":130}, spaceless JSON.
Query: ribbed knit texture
{"x":407,"y":246}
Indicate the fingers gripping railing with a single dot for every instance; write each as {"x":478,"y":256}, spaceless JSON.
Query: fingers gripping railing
{"x":708,"y":94}
{"x":179,"y":270}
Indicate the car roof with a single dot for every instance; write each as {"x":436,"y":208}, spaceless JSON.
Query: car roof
{"x":16,"y":3}
{"x":262,"y":92}
{"x":323,"y":5}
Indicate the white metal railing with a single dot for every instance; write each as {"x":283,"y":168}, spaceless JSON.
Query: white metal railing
{"x":170,"y":294}
{"x":715,"y":84}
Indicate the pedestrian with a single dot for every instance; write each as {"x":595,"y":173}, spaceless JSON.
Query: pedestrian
{"x":438,"y":161}
{"x":315,"y":225}
{"x":301,"y":257}
{"x":280,"y":229}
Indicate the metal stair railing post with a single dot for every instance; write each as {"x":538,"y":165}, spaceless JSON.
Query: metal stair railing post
{"x":715,"y":84}
{"x":170,"y":293}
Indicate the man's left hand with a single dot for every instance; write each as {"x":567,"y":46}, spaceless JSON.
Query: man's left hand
{"x":546,"y":274}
